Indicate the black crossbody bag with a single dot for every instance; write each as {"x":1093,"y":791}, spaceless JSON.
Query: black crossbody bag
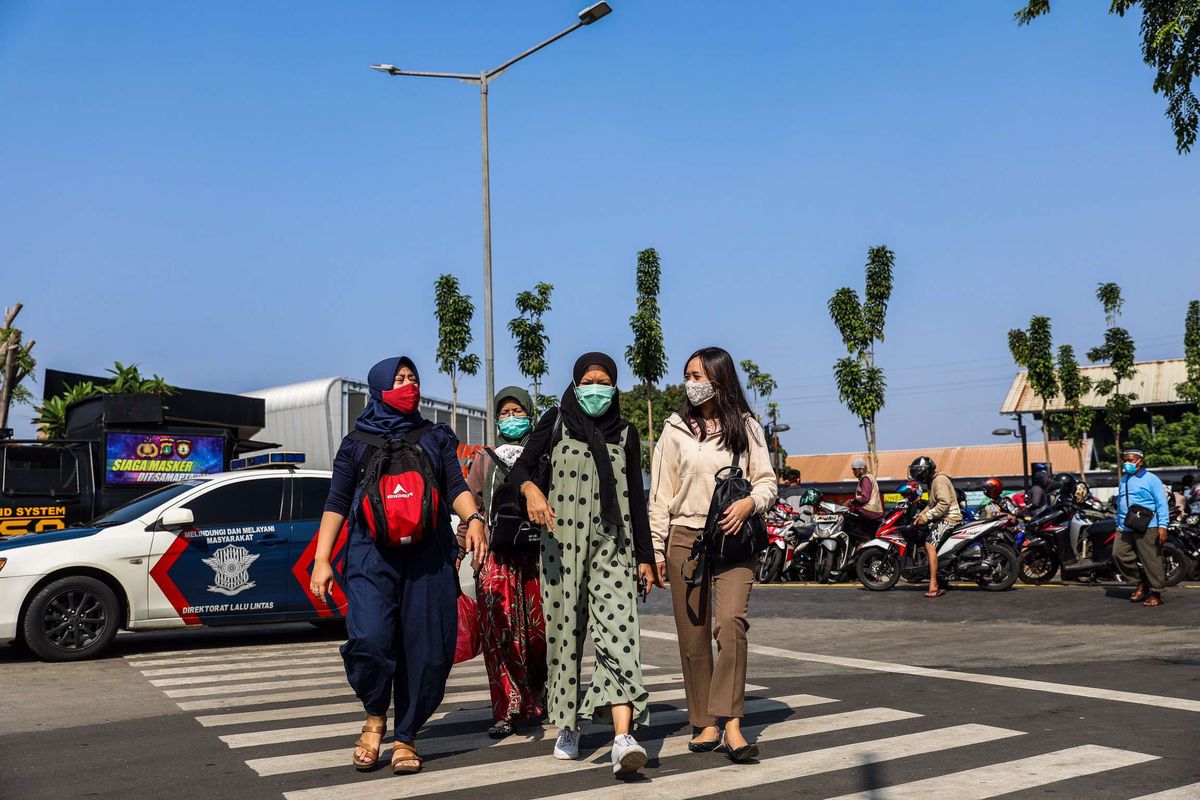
{"x":713,"y":548}
{"x":509,"y":526}
{"x":1137,"y":517}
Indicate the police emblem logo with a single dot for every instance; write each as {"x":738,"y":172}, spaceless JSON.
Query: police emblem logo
{"x":232,"y":567}
{"x":183,"y":448}
{"x":147,"y":450}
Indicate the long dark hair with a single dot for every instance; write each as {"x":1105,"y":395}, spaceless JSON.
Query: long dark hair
{"x":731,"y":400}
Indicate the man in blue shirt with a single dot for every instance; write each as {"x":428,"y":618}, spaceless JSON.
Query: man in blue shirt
{"x":1140,"y":487}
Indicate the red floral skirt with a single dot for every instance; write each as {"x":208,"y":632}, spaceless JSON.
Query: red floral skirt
{"x":514,"y":635}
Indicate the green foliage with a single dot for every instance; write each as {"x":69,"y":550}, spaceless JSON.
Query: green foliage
{"x":1190,"y":388}
{"x":51,"y":416}
{"x":529,"y":332}
{"x":1171,"y":44}
{"x":545,"y":402}
{"x":25,"y":365}
{"x":1077,"y":420}
{"x":647,"y":356}
{"x":1166,"y":444}
{"x":1018,"y":345}
{"x":1109,"y":295}
{"x":453,"y":311}
{"x":759,"y":383}
{"x":861,"y":384}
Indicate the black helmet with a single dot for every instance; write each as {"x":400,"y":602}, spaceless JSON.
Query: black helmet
{"x":1064,"y":483}
{"x":922,"y":469}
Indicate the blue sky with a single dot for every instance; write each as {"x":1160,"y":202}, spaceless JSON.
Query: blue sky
{"x":225,"y":194}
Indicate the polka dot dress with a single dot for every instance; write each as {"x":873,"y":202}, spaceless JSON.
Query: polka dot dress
{"x":589,"y":576}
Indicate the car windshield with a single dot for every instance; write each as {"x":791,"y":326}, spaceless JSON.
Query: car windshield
{"x":135,"y":509}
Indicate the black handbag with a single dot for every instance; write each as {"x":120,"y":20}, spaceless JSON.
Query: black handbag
{"x":1137,"y":517}
{"x":509,"y":528}
{"x":713,"y":548}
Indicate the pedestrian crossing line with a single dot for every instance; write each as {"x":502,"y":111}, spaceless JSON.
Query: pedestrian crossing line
{"x":138,"y":662}
{"x":313,"y":694}
{"x":325,"y":668}
{"x":307,"y":712}
{"x":1009,"y":776}
{"x":706,"y":782}
{"x":209,"y":673}
{"x":220,"y":653}
{"x":488,"y":775}
{"x":325,"y":731}
{"x":1189,"y":792}
{"x":1091,"y":692}
{"x":333,"y":676}
{"x":210,"y":669}
{"x":301,"y":762}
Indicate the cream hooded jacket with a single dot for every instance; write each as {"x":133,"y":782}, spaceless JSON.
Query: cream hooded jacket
{"x":683,"y":477}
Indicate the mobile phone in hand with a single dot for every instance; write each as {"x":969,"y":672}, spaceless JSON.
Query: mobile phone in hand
{"x":643,"y":588}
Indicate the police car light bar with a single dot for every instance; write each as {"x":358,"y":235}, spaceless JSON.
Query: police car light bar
{"x":279,"y":458}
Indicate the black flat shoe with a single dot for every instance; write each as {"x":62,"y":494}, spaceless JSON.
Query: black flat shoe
{"x":704,"y":747}
{"x":501,"y":730}
{"x":747,"y":752}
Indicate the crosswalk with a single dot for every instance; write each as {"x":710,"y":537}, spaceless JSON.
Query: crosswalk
{"x":286,"y":712}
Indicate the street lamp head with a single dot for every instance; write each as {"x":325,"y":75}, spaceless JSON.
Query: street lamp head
{"x":390,"y":69}
{"x":1004,"y":432}
{"x":782,"y":427}
{"x":594,"y":12}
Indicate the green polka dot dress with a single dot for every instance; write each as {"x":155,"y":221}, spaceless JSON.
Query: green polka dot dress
{"x":589,"y":577}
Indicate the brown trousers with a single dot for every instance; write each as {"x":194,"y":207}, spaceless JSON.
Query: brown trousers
{"x":1131,"y":547}
{"x":713,"y":690}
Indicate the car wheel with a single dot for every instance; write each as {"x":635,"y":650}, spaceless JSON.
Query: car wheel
{"x":71,"y":619}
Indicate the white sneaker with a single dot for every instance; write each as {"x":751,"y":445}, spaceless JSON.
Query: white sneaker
{"x":567,"y":746}
{"x":627,"y":755}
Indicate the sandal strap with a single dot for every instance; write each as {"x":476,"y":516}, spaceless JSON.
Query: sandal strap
{"x":375,"y":727}
{"x":403,"y":751}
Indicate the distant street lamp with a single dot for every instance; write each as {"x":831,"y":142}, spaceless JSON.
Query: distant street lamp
{"x":1020,"y":434}
{"x":773,"y":431}
{"x":484,"y":78}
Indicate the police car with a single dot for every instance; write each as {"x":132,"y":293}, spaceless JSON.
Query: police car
{"x":231,"y":548}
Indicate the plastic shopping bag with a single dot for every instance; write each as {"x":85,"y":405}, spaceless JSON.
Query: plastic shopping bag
{"x":470,"y":638}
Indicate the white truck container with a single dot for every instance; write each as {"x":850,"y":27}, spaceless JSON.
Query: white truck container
{"x":313,"y":416}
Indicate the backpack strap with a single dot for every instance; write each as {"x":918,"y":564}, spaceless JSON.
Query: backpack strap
{"x":500,"y":465}
{"x":369,"y":439}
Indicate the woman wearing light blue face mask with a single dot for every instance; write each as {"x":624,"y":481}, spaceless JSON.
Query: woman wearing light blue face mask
{"x":508,"y":588}
{"x":592,"y":504}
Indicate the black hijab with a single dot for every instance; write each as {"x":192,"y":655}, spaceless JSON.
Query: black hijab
{"x":598,"y":432}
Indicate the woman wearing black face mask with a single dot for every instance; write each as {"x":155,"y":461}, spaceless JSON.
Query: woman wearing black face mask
{"x":402,"y":619}
{"x":596,"y":545}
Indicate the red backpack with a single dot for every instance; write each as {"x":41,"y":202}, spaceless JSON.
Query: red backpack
{"x":400,"y":498}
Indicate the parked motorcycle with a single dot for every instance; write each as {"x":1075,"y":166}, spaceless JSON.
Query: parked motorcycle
{"x":1092,"y":533}
{"x":787,"y":554}
{"x":979,"y":551}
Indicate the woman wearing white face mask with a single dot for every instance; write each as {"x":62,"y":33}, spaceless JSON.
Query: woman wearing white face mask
{"x":712,"y":426}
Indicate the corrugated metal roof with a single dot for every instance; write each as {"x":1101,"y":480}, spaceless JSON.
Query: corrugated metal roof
{"x":974,"y":461}
{"x":1154,"y":384}
{"x":298,"y":395}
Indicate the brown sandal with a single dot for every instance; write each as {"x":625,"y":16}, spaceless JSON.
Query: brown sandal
{"x":1139,"y":594}
{"x":404,"y":752}
{"x":370,"y":762}
{"x":1153,"y":600}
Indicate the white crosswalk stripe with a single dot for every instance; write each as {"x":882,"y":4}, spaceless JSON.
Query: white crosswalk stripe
{"x":1009,"y":776}
{"x":324,"y":759}
{"x":524,"y":769}
{"x":266,"y":701}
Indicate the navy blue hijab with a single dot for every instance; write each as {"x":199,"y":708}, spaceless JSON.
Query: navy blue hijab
{"x":378,"y":417}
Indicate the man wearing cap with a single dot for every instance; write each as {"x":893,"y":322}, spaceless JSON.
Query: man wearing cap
{"x":1140,"y":487}
{"x":866,"y":509}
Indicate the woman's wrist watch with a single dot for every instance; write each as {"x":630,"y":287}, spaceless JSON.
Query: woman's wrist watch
{"x":476,"y":516}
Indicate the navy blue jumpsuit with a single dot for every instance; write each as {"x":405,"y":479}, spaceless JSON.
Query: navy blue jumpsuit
{"x":402,"y":620}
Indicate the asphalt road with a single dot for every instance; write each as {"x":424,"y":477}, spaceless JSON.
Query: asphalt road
{"x":1052,"y":691}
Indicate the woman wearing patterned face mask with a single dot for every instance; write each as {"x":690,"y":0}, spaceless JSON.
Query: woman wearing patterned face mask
{"x":507,"y":586}
{"x":596,"y":546}
{"x":713,"y":424}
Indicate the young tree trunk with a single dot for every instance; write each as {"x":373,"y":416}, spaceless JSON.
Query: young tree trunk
{"x":9,"y":375}
{"x":1045,"y":434}
{"x":533,"y":411}
{"x":649,"y":419}
{"x":869,"y":437}
{"x":1082,"y":461}
{"x":454,"y":404}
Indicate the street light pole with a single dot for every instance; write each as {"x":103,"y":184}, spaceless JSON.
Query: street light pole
{"x":586,"y":17}
{"x":1024,"y":451}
